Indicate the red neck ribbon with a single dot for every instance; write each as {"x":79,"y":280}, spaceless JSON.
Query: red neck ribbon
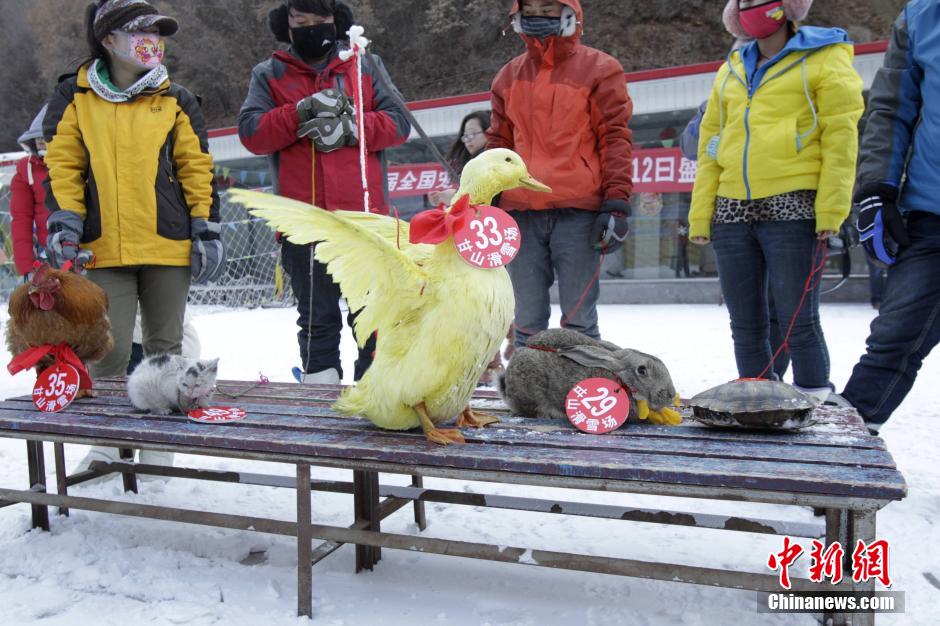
{"x":63,"y":354}
{"x":437,"y":225}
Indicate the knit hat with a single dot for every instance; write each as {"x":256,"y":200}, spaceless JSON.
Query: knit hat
{"x":280,"y":28}
{"x":131,"y":16}
{"x":795,"y":10}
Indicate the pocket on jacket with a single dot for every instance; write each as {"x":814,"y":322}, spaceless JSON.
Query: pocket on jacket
{"x":92,"y":227}
{"x":172,"y":213}
{"x":790,"y":135}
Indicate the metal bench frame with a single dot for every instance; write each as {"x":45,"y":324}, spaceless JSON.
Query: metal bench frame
{"x":847,"y":519}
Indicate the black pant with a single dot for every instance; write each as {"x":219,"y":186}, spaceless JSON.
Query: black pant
{"x":319,"y":316}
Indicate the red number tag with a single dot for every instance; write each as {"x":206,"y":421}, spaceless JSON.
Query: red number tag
{"x":597,"y":405}
{"x":55,"y":388}
{"x":217,"y":415}
{"x":489,"y":240}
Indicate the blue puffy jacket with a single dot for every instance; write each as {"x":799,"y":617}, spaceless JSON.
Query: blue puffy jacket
{"x":903,"y":132}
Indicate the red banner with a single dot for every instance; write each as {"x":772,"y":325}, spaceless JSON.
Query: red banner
{"x":661,"y":170}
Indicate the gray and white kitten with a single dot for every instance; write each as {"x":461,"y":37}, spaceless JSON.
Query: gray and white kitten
{"x":170,"y":383}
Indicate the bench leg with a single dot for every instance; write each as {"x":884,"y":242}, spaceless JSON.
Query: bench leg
{"x":61,"y":478}
{"x":862,"y":524}
{"x":130,"y":478}
{"x":304,"y":547}
{"x":366,"y":505}
{"x":420,"y":518}
{"x":37,"y":481}
{"x":837,"y":530}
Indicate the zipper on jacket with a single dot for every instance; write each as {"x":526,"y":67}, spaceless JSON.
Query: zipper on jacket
{"x":747,"y":145}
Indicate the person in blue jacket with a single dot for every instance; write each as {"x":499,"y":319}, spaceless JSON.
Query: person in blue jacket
{"x":898,"y":192}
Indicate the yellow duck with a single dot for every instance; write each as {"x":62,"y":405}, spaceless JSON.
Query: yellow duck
{"x":439,"y":319}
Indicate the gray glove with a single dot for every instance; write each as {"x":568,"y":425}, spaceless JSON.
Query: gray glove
{"x":65,"y":230}
{"x":331,"y":133}
{"x":207,"y":259}
{"x":326,"y":103}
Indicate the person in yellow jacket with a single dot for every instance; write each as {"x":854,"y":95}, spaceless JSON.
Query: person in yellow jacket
{"x":131,"y":181}
{"x":777,"y":154}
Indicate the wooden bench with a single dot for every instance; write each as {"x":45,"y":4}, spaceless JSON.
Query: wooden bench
{"x":834,"y":465}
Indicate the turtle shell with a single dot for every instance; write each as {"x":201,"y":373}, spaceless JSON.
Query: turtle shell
{"x":754,"y":404}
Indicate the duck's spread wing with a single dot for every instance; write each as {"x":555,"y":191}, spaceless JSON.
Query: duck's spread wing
{"x":377,"y":279}
{"x":395,"y":231}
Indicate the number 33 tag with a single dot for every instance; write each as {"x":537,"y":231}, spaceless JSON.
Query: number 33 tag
{"x":490,"y":240}
{"x":597,"y":405}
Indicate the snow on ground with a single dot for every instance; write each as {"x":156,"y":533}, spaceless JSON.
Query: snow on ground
{"x":102,"y":569}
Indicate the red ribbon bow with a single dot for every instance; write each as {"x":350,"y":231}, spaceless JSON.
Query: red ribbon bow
{"x":63,"y":353}
{"x":438,"y":225}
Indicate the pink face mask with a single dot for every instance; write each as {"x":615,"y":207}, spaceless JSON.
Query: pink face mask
{"x":144,"y":49}
{"x":763,"y":21}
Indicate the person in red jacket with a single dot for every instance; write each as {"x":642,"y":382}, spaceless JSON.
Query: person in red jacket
{"x":28,"y":199}
{"x":300,"y":111}
{"x":563,"y":107}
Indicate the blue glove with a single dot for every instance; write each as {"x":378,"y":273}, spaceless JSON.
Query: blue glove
{"x":881,"y":228}
{"x":611,"y":227}
{"x":64,"y":233}
{"x":207,"y":260}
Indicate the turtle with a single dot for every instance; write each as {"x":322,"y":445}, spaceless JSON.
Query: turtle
{"x":754,"y":403}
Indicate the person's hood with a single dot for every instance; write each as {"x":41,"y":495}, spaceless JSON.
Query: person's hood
{"x":807,"y":39}
{"x":28,"y":139}
{"x":557,"y":46}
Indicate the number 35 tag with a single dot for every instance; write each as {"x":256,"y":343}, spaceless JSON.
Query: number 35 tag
{"x":597,"y":405}
{"x":490,"y":240}
{"x":55,"y":388}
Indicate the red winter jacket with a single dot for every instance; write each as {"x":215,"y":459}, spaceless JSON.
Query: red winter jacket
{"x":268,"y":125}
{"x":28,"y":208}
{"x":564,"y":108}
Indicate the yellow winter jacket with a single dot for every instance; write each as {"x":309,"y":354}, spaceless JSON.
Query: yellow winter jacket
{"x":790,"y":125}
{"x":136,"y":172}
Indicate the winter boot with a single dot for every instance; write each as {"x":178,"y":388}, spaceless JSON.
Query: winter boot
{"x":155,"y":457}
{"x":323,"y":377}
{"x":98,"y":453}
{"x":819,"y":394}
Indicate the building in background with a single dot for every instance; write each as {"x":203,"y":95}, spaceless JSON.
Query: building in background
{"x":657,"y":264}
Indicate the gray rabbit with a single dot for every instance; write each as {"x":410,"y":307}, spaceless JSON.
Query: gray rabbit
{"x":537,"y":381}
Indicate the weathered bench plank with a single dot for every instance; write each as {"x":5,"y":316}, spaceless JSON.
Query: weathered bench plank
{"x":408,"y":450}
{"x":259,"y":416}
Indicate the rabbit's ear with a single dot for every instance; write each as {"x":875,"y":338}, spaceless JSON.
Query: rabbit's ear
{"x":591,"y":356}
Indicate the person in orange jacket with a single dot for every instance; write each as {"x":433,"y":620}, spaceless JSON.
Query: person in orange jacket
{"x":564,"y":108}
{"x":27,"y":199}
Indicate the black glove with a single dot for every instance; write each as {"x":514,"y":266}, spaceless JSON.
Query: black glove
{"x":64,"y":233}
{"x":881,"y":228}
{"x":207,"y":259}
{"x":611,"y":227}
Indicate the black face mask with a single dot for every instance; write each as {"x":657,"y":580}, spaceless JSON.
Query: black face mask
{"x":314,"y":42}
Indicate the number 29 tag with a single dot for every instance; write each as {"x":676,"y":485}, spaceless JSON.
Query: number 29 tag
{"x":489,"y":240}
{"x":597,"y":405}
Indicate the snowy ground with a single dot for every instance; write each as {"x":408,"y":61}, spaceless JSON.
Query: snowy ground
{"x":100,"y":569}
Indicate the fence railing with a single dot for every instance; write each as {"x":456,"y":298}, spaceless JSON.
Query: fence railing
{"x":253,"y":274}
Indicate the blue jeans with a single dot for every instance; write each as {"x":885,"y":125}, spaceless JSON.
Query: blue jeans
{"x":755,"y":259}
{"x":555,"y":240}
{"x":907,"y":327}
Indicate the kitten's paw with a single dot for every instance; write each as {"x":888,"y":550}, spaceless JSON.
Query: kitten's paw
{"x":161,"y":411}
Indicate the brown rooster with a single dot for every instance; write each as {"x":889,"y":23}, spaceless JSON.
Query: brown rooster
{"x":57,"y":307}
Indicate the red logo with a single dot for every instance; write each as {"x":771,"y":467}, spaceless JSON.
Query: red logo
{"x":597,"y":405}
{"x":217,"y":415}
{"x":868,"y":561}
{"x":489,"y":240}
{"x":55,"y":388}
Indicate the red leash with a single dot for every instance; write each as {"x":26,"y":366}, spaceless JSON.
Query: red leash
{"x":812,"y":281}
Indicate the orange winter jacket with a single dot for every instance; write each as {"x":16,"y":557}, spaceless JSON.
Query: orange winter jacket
{"x":564,"y":108}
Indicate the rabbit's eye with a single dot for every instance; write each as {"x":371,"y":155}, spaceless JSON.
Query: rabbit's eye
{"x":642,"y":371}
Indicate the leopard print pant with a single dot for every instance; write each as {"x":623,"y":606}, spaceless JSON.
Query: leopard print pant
{"x":795,"y":205}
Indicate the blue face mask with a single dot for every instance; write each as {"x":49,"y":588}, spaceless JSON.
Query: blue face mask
{"x":540,"y":27}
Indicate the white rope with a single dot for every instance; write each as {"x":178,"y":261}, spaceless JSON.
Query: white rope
{"x":358,"y":45}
